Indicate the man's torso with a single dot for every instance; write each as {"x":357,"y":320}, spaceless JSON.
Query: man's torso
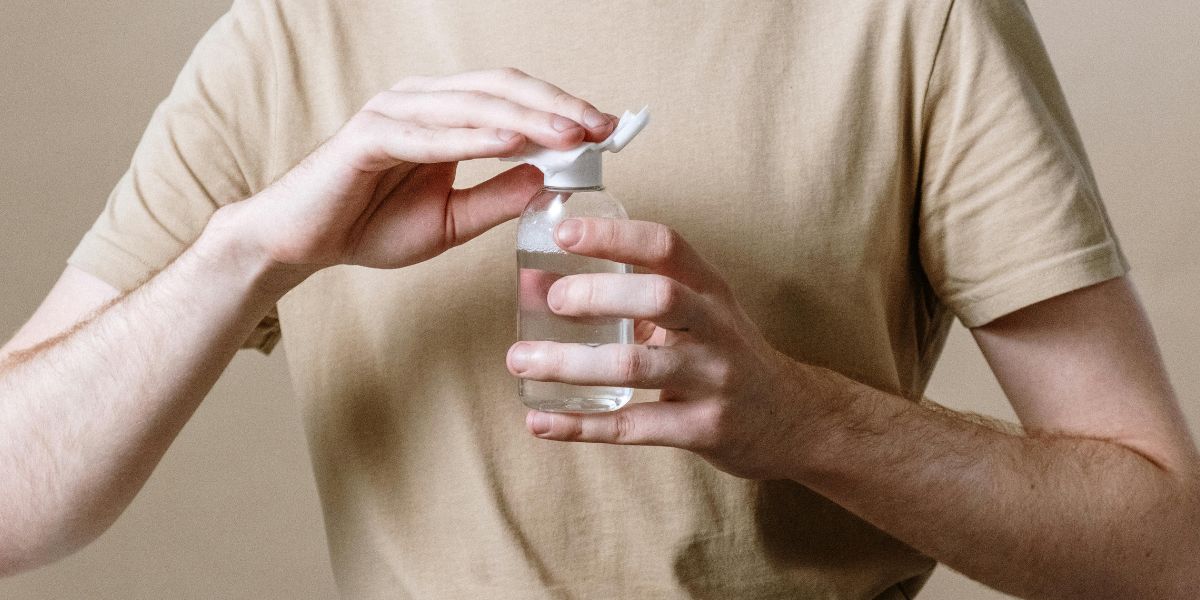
{"x":784,"y":147}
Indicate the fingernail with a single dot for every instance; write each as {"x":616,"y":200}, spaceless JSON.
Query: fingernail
{"x":594,"y":120}
{"x":563,"y":124}
{"x":519,"y":357}
{"x":554,"y":299}
{"x":505,"y":135}
{"x":537,"y":422}
{"x":569,"y":232}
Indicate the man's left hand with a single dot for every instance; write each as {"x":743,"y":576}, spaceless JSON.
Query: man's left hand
{"x":726,"y":394}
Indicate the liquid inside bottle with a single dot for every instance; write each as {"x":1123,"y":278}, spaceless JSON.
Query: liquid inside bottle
{"x":540,"y":263}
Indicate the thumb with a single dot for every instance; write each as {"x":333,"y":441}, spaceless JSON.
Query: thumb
{"x":474,"y":210}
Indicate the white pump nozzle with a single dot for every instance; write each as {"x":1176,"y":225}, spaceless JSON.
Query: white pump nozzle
{"x":580,"y":167}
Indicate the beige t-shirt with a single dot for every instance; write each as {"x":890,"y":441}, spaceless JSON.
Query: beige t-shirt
{"x":862,"y":171}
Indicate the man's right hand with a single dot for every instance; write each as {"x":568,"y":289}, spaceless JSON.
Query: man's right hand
{"x":379,"y":192}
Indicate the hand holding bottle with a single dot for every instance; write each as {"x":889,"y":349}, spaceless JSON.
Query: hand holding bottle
{"x":380,"y":191}
{"x":726,"y":393}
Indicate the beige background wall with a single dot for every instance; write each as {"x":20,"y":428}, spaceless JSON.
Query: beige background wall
{"x":232,"y":511}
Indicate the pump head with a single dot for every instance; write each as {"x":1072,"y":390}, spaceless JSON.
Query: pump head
{"x":580,"y":167}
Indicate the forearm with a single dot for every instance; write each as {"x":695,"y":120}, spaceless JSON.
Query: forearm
{"x":85,"y":418}
{"x":1039,"y":516}
{"x":1113,"y":512}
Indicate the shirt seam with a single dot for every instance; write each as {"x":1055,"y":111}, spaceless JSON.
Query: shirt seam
{"x":110,"y":262}
{"x":1084,"y":258}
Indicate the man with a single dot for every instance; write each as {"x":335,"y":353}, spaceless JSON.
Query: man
{"x":840,"y":179}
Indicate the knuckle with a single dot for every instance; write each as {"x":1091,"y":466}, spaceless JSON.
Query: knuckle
{"x":623,"y":426}
{"x":590,"y":295}
{"x":447,"y":136}
{"x":573,"y":430}
{"x":604,"y":231}
{"x":553,"y":361}
{"x":474,"y":97}
{"x":394,"y":103}
{"x":365,"y":120}
{"x":723,"y":375}
{"x":569,"y":103}
{"x":666,"y":243}
{"x":473,"y":102}
{"x":362,"y":130}
{"x":630,"y":364}
{"x":709,"y":427}
{"x":666,"y":295}
{"x":511,"y":74}
{"x":376,"y":102}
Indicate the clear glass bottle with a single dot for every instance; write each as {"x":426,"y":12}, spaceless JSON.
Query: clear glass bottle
{"x":574,"y":187}
{"x":540,"y":262}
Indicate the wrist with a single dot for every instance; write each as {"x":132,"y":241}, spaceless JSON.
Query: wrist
{"x":228,"y":245}
{"x":842,"y":416}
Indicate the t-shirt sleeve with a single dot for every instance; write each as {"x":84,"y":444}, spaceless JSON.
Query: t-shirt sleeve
{"x":205,"y":146}
{"x":1009,"y":212}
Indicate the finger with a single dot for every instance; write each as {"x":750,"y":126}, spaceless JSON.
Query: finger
{"x":642,"y":243}
{"x":521,"y":88}
{"x":376,"y":142}
{"x":455,"y":109}
{"x":621,"y":365}
{"x":658,"y":298}
{"x":477,"y":209}
{"x":657,"y":338}
{"x":674,"y":424}
{"x":643,"y":331}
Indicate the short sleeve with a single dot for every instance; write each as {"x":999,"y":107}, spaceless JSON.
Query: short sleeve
{"x":205,"y":146}
{"x":1009,"y":212}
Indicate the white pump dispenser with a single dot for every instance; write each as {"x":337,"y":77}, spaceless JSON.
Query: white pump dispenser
{"x":582,"y":166}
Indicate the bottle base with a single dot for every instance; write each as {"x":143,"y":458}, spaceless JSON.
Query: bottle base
{"x":577,"y":405}
{"x":550,"y":396}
